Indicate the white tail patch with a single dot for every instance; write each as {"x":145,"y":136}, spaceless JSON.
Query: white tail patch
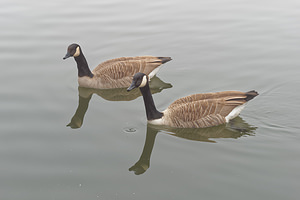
{"x":154,"y":72}
{"x":235,"y":112}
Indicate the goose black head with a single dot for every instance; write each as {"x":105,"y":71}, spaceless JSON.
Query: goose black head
{"x":139,"y":80}
{"x":73,"y":50}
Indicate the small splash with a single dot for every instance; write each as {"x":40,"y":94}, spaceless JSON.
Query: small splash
{"x":130,"y":130}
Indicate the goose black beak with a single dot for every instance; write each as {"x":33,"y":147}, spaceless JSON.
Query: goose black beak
{"x":67,"y":56}
{"x":131,"y":87}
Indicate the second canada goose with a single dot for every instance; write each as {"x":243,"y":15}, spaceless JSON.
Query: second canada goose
{"x":194,"y":111}
{"x":115,"y":73}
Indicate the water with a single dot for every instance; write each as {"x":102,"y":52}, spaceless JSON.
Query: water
{"x":215,"y":45}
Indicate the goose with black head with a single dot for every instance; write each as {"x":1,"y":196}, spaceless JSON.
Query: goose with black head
{"x":194,"y":111}
{"x":114,"y":73}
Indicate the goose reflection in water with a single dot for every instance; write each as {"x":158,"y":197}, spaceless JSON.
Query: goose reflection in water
{"x":235,"y":129}
{"x":116,"y":94}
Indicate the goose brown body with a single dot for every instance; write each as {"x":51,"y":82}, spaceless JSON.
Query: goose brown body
{"x":204,"y":110}
{"x":118,"y":72}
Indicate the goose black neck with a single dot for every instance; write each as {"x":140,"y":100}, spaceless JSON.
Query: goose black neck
{"x":151,"y":111}
{"x":82,"y":65}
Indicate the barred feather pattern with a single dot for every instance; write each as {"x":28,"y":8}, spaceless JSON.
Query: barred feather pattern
{"x":203,"y":110}
{"x":118,"y":72}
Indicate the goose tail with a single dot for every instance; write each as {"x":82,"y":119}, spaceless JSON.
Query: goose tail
{"x":250,"y":95}
{"x":164,"y":59}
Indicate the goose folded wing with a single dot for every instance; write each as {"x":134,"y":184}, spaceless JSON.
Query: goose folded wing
{"x":201,"y":113}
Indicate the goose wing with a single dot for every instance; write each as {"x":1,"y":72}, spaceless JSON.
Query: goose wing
{"x":204,"y":110}
{"x":226,"y":95}
{"x":127,"y":66}
{"x":118,"y":72}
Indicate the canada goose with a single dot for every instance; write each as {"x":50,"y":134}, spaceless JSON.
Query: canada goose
{"x":194,"y":111}
{"x":115,"y":73}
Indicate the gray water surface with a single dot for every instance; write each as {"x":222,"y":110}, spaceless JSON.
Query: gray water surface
{"x":108,"y":151}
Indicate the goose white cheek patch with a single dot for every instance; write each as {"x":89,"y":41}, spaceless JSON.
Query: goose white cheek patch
{"x":144,"y":81}
{"x":77,"y":53}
